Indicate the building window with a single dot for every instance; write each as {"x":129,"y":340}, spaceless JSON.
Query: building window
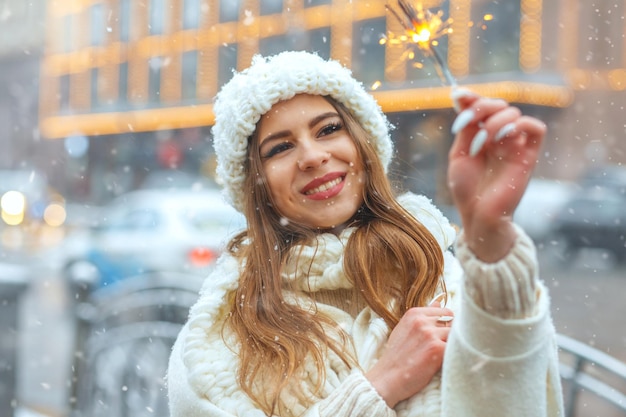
{"x":64,"y":93}
{"x":313,"y":3}
{"x":191,"y":14}
{"x":157,"y":17}
{"x":125,"y":15}
{"x":68,"y":33}
{"x":190,"y":75}
{"x":319,"y":41}
{"x":273,"y":45}
{"x":598,"y":47}
{"x":227,"y":63}
{"x":229,"y":10}
{"x":297,"y":40}
{"x":494,"y":44}
{"x":94,"y":88}
{"x":271,"y":7}
{"x":368,"y":56}
{"x":123,"y":83}
{"x":97,"y":24}
{"x":154,"y":79}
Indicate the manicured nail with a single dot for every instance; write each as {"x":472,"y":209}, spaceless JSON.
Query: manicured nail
{"x":438,"y":298}
{"x":458,"y":93}
{"x":462,"y":120}
{"x":504,"y":131}
{"x":478,"y":142}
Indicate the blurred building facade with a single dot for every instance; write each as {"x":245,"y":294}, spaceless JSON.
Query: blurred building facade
{"x":127,"y":86}
{"x":21,"y":48}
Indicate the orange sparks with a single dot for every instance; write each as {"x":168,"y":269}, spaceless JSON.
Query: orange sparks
{"x":421,"y":26}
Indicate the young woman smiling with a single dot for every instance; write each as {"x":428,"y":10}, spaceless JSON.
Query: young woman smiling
{"x":342,"y":298}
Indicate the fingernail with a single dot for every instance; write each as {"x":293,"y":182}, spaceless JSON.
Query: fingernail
{"x":458,"y":93}
{"x":437,"y":298}
{"x":478,"y":142}
{"x":462,"y":120}
{"x":505,"y":130}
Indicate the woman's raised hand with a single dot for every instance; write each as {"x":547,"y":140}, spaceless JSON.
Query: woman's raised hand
{"x":490,"y":163}
{"x":413,"y":354}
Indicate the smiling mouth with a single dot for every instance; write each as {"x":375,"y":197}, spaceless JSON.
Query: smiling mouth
{"x":324,"y":187}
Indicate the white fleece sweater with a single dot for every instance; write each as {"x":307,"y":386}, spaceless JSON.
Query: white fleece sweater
{"x":500,"y":360}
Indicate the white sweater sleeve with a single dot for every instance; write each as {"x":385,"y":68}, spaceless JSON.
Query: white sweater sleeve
{"x":507,"y":288}
{"x":502,"y":358}
{"x":355,"y":397}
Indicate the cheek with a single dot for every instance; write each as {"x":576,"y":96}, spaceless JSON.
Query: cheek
{"x":277,"y":178}
{"x":359,"y":176}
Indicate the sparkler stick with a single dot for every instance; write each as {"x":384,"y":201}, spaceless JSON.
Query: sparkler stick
{"x":442,"y":68}
{"x":422,"y":29}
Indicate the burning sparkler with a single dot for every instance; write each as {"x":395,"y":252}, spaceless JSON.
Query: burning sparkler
{"x":422,"y":28}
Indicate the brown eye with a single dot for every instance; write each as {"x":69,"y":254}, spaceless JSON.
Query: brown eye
{"x":281,"y":147}
{"x":331,"y":128}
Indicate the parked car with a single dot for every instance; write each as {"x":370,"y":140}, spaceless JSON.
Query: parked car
{"x":153,"y":230}
{"x":610,"y":177}
{"x":540,"y":204}
{"x":593,"y":218}
{"x":171,"y":179}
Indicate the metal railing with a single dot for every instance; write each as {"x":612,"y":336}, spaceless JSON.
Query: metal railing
{"x":125,"y":334}
{"x":13,"y":284}
{"x":585,"y":369}
{"x":123,"y":341}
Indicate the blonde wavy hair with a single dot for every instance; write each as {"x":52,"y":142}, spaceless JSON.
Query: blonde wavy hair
{"x":387,"y":239}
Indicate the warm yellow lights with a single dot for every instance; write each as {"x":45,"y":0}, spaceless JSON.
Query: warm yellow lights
{"x":13,"y":202}
{"x":439,"y":97}
{"x":617,"y":79}
{"x":13,"y":207}
{"x":54,"y":215}
{"x":58,"y":127}
{"x":530,"y":35}
{"x":581,"y":80}
{"x":202,"y":115}
{"x":459,"y":38}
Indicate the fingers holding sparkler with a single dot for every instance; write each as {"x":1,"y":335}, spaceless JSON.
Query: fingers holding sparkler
{"x":483,"y":122}
{"x":479,"y":121}
{"x":489,"y":121}
{"x":489,"y":166}
{"x":461,"y":97}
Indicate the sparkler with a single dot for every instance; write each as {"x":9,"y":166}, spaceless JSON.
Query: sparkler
{"x":422,"y":28}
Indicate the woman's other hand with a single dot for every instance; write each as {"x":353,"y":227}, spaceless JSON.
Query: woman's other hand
{"x":413,"y":354}
{"x":490,"y":163}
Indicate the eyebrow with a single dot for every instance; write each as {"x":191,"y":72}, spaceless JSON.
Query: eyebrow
{"x":284,"y":133}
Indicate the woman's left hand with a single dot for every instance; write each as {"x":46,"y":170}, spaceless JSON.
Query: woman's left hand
{"x":490,"y":163}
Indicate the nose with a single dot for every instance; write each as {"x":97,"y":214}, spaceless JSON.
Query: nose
{"x":312,"y":155}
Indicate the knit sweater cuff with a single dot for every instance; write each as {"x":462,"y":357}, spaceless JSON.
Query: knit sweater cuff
{"x":356,"y":397}
{"x":507,"y":288}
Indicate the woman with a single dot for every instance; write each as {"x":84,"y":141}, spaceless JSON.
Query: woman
{"x":330,"y":303}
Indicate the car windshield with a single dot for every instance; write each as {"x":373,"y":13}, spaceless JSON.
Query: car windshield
{"x":596,"y":209}
{"x":211,"y":220}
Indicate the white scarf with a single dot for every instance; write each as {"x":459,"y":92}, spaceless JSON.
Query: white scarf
{"x":318,"y":268}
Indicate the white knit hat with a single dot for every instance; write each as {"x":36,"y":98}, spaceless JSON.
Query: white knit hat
{"x":251,"y":93}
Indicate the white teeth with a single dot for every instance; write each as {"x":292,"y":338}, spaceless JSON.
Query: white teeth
{"x":324,"y":187}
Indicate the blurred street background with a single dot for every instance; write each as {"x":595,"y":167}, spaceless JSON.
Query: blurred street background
{"x":587,"y":299}
{"x":107,"y":171}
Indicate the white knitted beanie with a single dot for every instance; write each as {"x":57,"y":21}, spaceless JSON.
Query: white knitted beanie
{"x":251,"y":93}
